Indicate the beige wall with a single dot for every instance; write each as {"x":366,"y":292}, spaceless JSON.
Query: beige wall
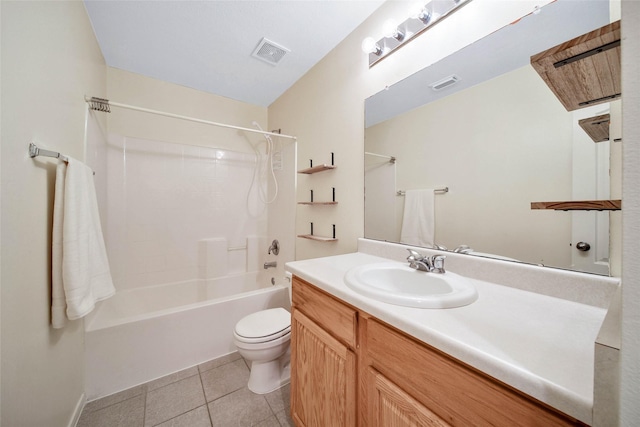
{"x":325,"y":110}
{"x":135,"y":89}
{"x":50,"y":59}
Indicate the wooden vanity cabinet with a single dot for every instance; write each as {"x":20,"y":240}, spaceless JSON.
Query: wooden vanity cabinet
{"x":441,"y":390}
{"x":323,"y":359}
{"x":348,"y":368}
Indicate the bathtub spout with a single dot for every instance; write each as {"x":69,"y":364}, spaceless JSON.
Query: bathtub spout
{"x":270,"y":264}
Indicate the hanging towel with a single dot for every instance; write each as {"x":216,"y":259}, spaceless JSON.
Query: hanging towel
{"x":418,"y":223}
{"x":80,"y":268}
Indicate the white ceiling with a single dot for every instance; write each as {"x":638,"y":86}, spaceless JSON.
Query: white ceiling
{"x":207,"y":45}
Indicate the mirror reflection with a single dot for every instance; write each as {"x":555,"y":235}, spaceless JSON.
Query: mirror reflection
{"x":498,"y":139}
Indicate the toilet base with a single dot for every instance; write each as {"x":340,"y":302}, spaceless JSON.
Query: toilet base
{"x":266,"y":377}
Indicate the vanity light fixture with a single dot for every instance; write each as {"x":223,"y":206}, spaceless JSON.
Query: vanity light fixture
{"x":421,"y":17}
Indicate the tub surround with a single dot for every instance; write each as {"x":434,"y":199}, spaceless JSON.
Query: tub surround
{"x":559,"y":312}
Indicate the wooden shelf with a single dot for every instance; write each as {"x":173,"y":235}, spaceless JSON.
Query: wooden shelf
{"x":318,"y":238}
{"x":317,"y":203}
{"x":580,"y":205}
{"x":596,"y":127}
{"x":583,"y":71}
{"x":316,"y":169}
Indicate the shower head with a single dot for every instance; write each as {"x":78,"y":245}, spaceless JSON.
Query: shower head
{"x":267,"y":137}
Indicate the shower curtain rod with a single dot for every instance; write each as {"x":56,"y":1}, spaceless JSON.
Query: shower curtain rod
{"x":100,"y":104}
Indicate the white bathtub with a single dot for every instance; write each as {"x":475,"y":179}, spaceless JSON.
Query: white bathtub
{"x":142,"y":334}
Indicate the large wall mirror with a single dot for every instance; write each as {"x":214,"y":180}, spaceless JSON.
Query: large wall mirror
{"x":498,"y":139}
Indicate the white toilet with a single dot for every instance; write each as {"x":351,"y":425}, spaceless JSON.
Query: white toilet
{"x":263,"y":338}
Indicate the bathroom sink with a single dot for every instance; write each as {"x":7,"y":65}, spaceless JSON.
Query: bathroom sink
{"x":397,"y":283}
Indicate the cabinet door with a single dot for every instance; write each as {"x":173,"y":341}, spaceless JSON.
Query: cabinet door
{"x":323,"y":377}
{"x":455,"y":392}
{"x":390,"y":406}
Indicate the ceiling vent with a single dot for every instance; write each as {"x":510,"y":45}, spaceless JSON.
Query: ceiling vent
{"x":444,"y":83}
{"x":269,"y":51}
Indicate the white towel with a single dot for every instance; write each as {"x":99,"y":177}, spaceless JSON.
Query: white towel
{"x":80,"y":268}
{"x":418,"y":222}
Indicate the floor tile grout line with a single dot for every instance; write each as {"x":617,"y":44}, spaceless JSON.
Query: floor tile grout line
{"x":216,"y":367}
{"x":171,"y":383}
{"x":179,"y":415}
{"x":224,"y":395}
{"x":144,"y":408}
{"x":206,"y":404}
{"x":189,"y":410}
{"x":113,"y":404}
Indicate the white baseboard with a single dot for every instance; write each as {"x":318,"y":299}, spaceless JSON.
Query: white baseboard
{"x":77,"y":411}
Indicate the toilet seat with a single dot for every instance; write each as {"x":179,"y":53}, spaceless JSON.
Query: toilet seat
{"x":263,"y":326}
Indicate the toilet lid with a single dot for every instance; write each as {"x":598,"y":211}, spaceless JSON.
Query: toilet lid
{"x":266,"y":323}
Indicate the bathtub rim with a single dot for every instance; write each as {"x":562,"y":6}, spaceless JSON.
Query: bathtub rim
{"x":89,"y":324}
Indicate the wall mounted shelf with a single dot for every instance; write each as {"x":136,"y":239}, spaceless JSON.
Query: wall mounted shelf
{"x":596,"y":127}
{"x":315,"y":237}
{"x":317,"y":203}
{"x":316,"y":169}
{"x":318,"y":238}
{"x":311,"y":170}
{"x":580,"y":205}
{"x":585,"y":70}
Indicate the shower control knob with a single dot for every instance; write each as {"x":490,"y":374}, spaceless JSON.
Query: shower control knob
{"x":274,"y":248}
{"x":583,"y":246}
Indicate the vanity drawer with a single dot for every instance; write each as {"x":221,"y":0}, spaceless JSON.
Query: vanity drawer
{"x":334,"y":316}
{"x":457,"y":393}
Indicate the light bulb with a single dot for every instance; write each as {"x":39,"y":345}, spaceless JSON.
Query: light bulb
{"x":415,"y":9}
{"x":420,"y":11}
{"x":369,"y":45}
{"x":390,"y":30}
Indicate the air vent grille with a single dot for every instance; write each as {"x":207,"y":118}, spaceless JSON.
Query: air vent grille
{"x":269,"y":51}
{"x":444,"y":83}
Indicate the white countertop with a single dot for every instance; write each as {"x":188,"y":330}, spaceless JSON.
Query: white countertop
{"x":541,"y":345}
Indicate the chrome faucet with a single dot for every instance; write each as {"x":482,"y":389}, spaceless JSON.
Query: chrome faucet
{"x":433,"y":264}
{"x":270,"y":264}
{"x":463,"y":249}
{"x":418,"y":261}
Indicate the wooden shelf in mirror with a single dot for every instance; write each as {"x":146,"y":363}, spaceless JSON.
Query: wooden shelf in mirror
{"x":585,"y":70}
{"x":318,"y":238}
{"x":316,"y":169}
{"x":317,"y":203}
{"x":596,"y":127}
{"x":580,"y":205}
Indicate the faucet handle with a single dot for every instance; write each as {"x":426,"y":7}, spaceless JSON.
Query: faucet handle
{"x":414,"y":256}
{"x":437,"y":262}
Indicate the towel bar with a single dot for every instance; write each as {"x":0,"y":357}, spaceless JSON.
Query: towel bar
{"x":34,"y":151}
{"x":437,"y":190}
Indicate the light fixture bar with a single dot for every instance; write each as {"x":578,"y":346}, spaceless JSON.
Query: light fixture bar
{"x":425,"y":17}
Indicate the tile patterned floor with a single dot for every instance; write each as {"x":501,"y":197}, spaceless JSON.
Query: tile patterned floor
{"x":213,"y":394}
